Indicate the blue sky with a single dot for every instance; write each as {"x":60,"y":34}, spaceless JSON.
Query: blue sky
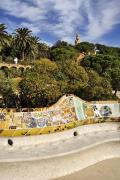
{"x":95,"y":21}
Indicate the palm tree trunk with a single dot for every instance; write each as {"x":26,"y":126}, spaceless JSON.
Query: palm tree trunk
{"x":23,"y":55}
{"x":115,"y":92}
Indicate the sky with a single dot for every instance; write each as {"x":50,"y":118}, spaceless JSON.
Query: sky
{"x":96,"y":21}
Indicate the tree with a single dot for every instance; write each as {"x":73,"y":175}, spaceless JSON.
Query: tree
{"x":4,"y":37}
{"x":60,"y":43}
{"x":39,"y":87}
{"x":85,"y":47}
{"x":115,"y":76}
{"x":71,"y":77}
{"x":62,"y":54}
{"x":99,"y":63}
{"x":24,"y":40}
{"x":76,"y":76}
{"x":32,"y":50}
{"x":98,"y":88}
{"x":6,"y":91}
{"x":106,"y":50}
{"x":106,"y":66}
{"x":43,"y":51}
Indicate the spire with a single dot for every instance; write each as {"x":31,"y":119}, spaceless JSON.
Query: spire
{"x":77,"y":40}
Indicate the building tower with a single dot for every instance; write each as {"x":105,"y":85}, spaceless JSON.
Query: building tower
{"x":77,"y":40}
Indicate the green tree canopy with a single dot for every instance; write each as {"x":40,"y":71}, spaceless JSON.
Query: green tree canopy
{"x":62,"y":54}
{"x":98,"y":88}
{"x":25,"y":41}
{"x":40,"y":87}
{"x":85,"y":47}
{"x":6,"y":91}
{"x":4,"y":37}
{"x":107,"y":66}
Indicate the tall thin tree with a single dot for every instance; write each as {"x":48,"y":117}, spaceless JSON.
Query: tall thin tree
{"x":4,"y":37}
{"x":23,"y":40}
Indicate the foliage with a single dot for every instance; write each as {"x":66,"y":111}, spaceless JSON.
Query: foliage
{"x":62,"y":54}
{"x":6,"y":91}
{"x":75,"y":76}
{"x":55,"y":71}
{"x":115,"y":76}
{"x":105,"y":65}
{"x":47,"y":81}
{"x":85,"y":47}
{"x":26,"y":42}
{"x":106,"y":50}
{"x":60,"y":43}
{"x":43,"y":51}
{"x":102,"y":49}
{"x":4,"y":37}
{"x":97,"y":88}
{"x":40,"y":87}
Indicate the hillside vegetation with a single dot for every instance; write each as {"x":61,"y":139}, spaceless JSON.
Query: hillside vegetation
{"x":55,"y":71}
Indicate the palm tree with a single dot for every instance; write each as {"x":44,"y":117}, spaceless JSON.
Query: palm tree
{"x":23,"y":40}
{"x":33,"y":48}
{"x":4,"y":37}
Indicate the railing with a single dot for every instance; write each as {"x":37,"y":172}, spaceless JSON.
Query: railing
{"x":14,"y":65}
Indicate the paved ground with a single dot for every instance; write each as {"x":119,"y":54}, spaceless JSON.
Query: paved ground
{"x":59,"y":158}
{"x":105,"y":170}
